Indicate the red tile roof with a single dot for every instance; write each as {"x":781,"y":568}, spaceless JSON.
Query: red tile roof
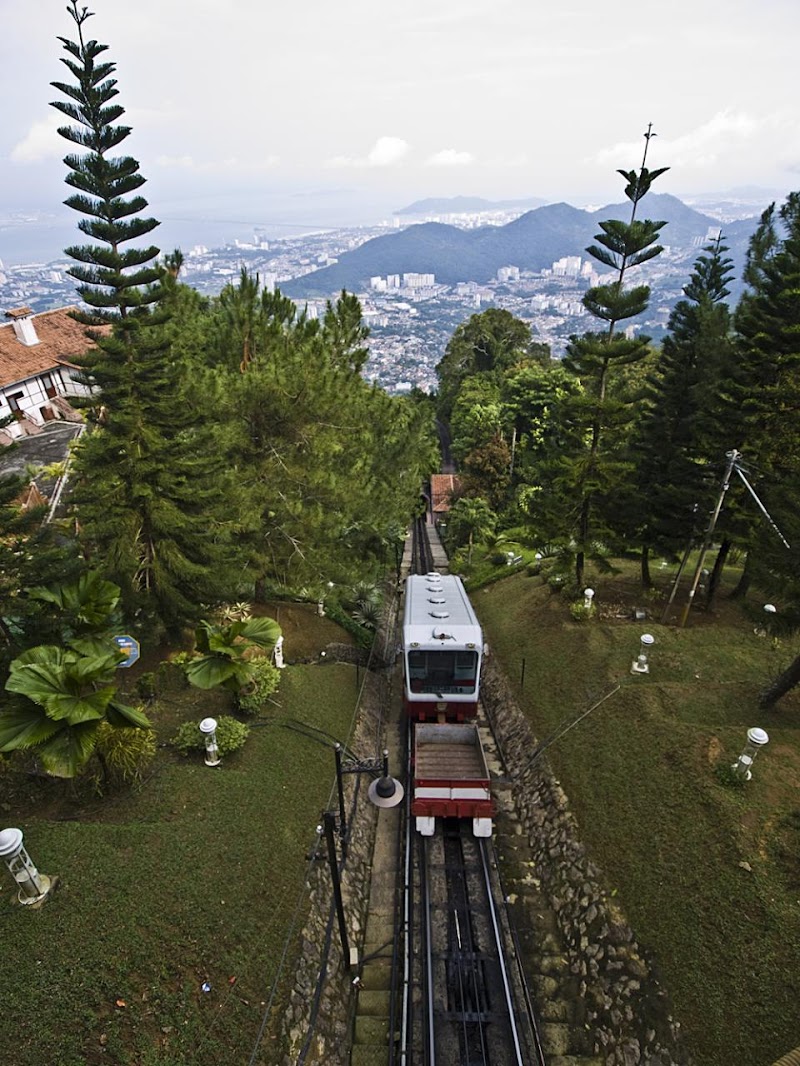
{"x":61,"y":339}
{"x":443,"y":488}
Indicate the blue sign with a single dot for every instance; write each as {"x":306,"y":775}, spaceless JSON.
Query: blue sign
{"x":130,"y":647}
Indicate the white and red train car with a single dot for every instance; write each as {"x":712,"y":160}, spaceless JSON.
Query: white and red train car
{"x":442,"y":655}
{"x":442,"y":650}
{"x":451,"y":778}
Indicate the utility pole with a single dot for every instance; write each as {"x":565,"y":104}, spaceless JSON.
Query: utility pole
{"x":732,"y":456}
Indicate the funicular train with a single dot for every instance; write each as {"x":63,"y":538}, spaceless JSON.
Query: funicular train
{"x":442,"y":655}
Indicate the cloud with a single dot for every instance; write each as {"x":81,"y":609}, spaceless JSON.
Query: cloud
{"x":244,"y":166}
{"x":42,"y":141}
{"x":449,"y":157}
{"x":384,"y":153}
{"x":697,"y":148}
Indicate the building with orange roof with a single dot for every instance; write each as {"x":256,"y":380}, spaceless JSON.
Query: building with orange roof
{"x":37,"y":354}
{"x":444,"y":489}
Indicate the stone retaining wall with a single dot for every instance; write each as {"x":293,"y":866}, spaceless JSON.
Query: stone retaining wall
{"x":626,"y":1006}
{"x":329,"y":1043}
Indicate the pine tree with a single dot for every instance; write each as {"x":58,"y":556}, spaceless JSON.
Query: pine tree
{"x":677,"y":438}
{"x":594,"y":357}
{"x":147,"y":485}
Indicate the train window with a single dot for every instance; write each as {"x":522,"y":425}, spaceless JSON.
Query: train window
{"x":443,"y":672}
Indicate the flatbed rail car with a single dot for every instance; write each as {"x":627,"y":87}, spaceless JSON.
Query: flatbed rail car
{"x":451,"y":778}
{"x":442,"y":650}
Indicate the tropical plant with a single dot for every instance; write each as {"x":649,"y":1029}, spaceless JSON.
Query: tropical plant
{"x":470,"y":520}
{"x":225,"y":652}
{"x":65,"y":696}
{"x":123,"y":755}
{"x":87,"y":609}
{"x":264,"y":680}
{"x":231,"y":735}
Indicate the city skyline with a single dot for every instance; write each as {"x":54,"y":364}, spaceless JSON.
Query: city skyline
{"x":318,"y":115}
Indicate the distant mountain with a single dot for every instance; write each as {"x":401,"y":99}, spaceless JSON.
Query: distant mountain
{"x":532,"y":242}
{"x":458,"y":205}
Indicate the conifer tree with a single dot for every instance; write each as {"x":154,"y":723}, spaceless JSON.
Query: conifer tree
{"x":147,"y":488}
{"x":594,"y":357}
{"x":677,"y":439}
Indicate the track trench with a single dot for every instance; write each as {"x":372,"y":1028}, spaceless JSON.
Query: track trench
{"x":596,"y":997}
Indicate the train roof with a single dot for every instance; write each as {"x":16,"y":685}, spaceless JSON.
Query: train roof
{"x":438,"y":612}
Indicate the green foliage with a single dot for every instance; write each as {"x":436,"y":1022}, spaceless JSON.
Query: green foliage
{"x":579,"y":612}
{"x":66,"y":695}
{"x":492,"y":341}
{"x":147,"y":685}
{"x":678,"y":436}
{"x":264,"y":680}
{"x":222,"y":650}
{"x":231,"y":735}
{"x":30,"y":553}
{"x":124,"y":754}
{"x":596,"y":469}
{"x":470,"y":520}
{"x":149,"y":480}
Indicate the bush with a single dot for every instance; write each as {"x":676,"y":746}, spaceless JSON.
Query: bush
{"x":231,"y":736}
{"x":124,"y":754}
{"x":146,"y":685}
{"x":264,"y":681}
{"x":580,"y":612}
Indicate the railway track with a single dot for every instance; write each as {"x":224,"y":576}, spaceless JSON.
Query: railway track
{"x":464,"y":1001}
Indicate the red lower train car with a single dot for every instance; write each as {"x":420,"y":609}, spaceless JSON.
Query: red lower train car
{"x":451,"y":778}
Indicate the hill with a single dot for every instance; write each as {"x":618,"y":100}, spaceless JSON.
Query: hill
{"x":453,"y":205}
{"x":530,"y":242}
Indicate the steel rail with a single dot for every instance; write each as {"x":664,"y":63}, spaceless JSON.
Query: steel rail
{"x":509,"y":999}
{"x":430,"y":1030}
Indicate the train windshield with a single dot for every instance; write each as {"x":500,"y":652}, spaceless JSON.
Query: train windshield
{"x":443,"y":673}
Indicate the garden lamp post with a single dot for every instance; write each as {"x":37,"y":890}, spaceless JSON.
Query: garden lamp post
{"x":32,"y":887}
{"x":588,"y":596}
{"x":384,"y":791}
{"x":756,"y":739}
{"x":640,"y":665}
{"x":208,"y":727}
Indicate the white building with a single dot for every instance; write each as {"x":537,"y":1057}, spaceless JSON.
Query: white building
{"x":36,"y":369}
{"x":418,"y":281}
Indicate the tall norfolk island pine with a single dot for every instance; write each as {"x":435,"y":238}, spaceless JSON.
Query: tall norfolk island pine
{"x":146,"y":487}
{"x":591,"y":357}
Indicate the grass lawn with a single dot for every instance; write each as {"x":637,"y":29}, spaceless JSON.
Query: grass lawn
{"x":643,"y":776}
{"x":193,"y":877}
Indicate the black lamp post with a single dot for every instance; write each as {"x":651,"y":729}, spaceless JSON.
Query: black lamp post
{"x":384,"y":791}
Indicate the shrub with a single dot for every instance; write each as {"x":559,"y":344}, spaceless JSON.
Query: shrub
{"x":580,"y":612}
{"x":146,"y":685}
{"x":231,"y":736}
{"x":264,"y":681}
{"x":123,"y":755}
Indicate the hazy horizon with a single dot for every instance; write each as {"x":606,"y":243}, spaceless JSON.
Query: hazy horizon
{"x":378,"y":107}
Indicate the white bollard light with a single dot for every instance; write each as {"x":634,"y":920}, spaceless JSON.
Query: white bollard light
{"x":31,"y":885}
{"x":640,"y":664}
{"x":588,"y":596}
{"x":208,"y":727}
{"x":756,"y":739}
{"x":277,"y":653}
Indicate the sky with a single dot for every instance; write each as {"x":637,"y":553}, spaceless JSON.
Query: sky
{"x":320,"y":111}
